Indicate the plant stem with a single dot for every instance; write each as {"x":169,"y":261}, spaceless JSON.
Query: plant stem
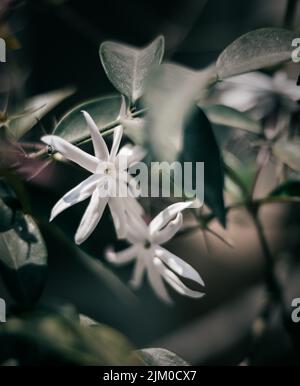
{"x":272,"y":284}
{"x":105,"y":131}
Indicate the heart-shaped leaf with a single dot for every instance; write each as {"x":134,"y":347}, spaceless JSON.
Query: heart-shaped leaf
{"x":255,"y":50}
{"x":104,"y":110}
{"x":128,"y":67}
{"x":23,"y":260}
{"x":228,"y":116}
{"x":200,"y":145}
{"x":160,"y":357}
{"x":288,"y":152}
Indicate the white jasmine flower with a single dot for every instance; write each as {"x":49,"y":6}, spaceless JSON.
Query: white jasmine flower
{"x":260,"y":93}
{"x":108,"y":184}
{"x":132,"y":125}
{"x":151,"y":257}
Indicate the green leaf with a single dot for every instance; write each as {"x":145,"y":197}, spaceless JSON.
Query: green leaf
{"x":99,"y":269}
{"x":23,"y":260}
{"x":288,"y":152}
{"x":47,"y":338}
{"x":170,"y":98}
{"x":175,"y":129}
{"x":200,"y":145}
{"x":6,"y":217}
{"x":93,"y":264}
{"x":289,"y":188}
{"x":160,"y":357}
{"x":128,"y":67}
{"x":239,"y":176}
{"x":104,"y":110}
{"x":34,"y":109}
{"x":255,"y":50}
{"x":8,"y":206}
{"x":227,"y":116}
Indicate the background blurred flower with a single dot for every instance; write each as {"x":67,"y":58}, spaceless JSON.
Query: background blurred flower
{"x":259,"y":93}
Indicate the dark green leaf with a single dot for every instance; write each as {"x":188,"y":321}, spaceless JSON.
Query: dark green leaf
{"x":9,"y":205}
{"x":170,"y":97}
{"x":6,"y":217}
{"x":227,"y":116}
{"x":104,"y":110}
{"x":160,"y":357}
{"x":200,"y":145}
{"x":287,"y":189}
{"x":47,"y":338}
{"x":93,"y":264}
{"x":255,"y":50}
{"x":23,"y":259}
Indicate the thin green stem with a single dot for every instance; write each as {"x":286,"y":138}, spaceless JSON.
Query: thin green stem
{"x":272,"y":284}
{"x":105,"y":131}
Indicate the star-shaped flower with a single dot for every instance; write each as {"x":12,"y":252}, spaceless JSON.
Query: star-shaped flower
{"x":109,"y":183}
{"x":151,"y":257}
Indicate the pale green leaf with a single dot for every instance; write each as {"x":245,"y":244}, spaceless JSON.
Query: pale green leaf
{"x":104,"y":110}
{"x":170,"y":98}
{"x":257,"y":49}
{"x":288,"y":152}
{"x":34,"y":109}
{"x":228,"y":116}
{"x":128,"y":67}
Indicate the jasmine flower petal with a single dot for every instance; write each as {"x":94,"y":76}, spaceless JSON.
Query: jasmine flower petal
{"x":155,"y":279}
{"x":167,"y":215}
{"x":91,"y":217}
{"x":118,"y":133}
{"x":100,"y":148}
{"x":178,"y":265}
{"x":176,"y":283}
{"x":71,"y":152}
{"x":166,"y":234}
{"x":133,"y":154}
{"x":138,"y":273}
{"x":123,"y":257}
{"x":117,"y":210}
{"x":79,"y":193}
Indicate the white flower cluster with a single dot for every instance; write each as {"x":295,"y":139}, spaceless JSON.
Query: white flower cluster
{"x":126,"y":211}
{"x":111,"y":183}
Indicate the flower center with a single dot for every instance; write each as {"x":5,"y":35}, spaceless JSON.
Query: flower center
{"x":147,"y":244}
{"x":107,"y":168}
